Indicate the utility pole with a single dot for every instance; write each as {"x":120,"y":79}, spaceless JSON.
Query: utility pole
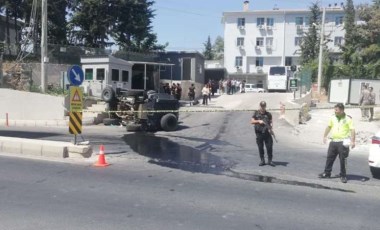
{"x":320,"y":57}
{"x":44,"y":58}
{"x":1,"y":61}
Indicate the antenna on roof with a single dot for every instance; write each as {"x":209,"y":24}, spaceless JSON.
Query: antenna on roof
{"x":275,"y":7}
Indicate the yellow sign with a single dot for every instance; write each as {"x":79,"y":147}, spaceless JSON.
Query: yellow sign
{"x":76,"y":99}
{"x":75,"y":124}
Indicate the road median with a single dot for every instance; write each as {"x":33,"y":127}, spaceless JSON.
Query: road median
{"x":54,"y":149}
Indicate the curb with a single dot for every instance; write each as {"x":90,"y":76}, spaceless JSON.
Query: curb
{"x":55,"y":149}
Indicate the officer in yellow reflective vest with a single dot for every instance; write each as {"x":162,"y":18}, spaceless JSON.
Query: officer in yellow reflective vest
{"x":342,"y":136}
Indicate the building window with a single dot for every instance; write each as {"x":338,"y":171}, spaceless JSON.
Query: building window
{"x":307,"y":21}
{"x":239,"y":61}
{"x":260,"y":21}
{"x":338,"y":41}
{"x":269,"y":42}
{"x":288,"y":61}
{"x":299,"y":21}
{"x":240,"y":42}
{"x":338,"y":20}
{"x":259,"y":61}
{"x":259,"y":41}
{"x":241,"y":22}
{"x":124,"y":76}
{"x":270,"y":21}
{"x":115,"y":75}
{"x":100,"y":74}
{"x":297,"y":41}
{"x":88,"y":74}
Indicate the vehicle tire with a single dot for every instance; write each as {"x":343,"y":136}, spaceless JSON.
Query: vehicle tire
{"x":169,"y":122}
{"x":133,"y":127}
{"x":108,"y":94}
{"x":375,"y":172}
{"x":111,"y":121}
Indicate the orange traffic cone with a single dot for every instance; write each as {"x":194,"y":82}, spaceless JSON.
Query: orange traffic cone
{"x":101,"y":159}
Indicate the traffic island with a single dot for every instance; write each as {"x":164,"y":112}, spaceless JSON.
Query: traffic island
{"x":44,"y":148}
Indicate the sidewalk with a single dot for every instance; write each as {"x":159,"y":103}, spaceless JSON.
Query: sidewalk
{"x":312,"y":131}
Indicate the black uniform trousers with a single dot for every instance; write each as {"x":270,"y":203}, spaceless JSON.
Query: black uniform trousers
{"x":265,"y":138}
{"x":337,"y":149}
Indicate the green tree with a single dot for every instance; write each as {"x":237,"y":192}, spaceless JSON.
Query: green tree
{"x":132,"y":29}
{"x":350,"y":38}
{"x":218,"y":48}
{"x":208,"y":51}
{"x":94,"y":18}
{"x":366,"y":62}
{"x":310,"y":40}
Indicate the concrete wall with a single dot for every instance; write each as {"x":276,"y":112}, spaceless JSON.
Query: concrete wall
{"x":22,"y":105}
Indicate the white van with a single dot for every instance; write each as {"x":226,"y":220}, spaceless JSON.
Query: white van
{"x":253,"y":88}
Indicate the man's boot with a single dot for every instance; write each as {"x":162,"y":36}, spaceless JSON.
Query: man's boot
{"x":270,"y":162}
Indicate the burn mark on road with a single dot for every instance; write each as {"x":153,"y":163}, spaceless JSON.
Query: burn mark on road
{"x":164,"y":152}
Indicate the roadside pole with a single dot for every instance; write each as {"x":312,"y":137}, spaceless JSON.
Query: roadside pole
{"x":1,"y":61}
{"x":44,"y":58}
{"x":320,"y":57}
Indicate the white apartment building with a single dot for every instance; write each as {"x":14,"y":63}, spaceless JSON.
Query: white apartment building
{"x":254,"y":40}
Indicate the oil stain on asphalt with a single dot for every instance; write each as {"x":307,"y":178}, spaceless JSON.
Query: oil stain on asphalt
{"x":164,"y":152}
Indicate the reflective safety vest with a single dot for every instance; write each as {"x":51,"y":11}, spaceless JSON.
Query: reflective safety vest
{"x":340,"y":127}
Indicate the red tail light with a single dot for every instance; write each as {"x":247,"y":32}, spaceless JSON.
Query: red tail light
{"x":376,"y":141}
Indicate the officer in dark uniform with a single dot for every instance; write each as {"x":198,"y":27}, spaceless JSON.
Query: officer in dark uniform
{"x":262,"y":120}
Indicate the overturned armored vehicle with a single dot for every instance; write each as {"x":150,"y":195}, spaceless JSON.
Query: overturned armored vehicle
{"x":132,"y":90}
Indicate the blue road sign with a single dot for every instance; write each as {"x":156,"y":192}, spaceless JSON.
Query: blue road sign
{"x":76,"y":75}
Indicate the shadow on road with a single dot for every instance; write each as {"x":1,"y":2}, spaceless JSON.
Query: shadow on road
{"x":281,"y":163}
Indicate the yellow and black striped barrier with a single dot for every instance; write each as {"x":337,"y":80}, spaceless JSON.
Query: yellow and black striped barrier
{"x":75,"y":123}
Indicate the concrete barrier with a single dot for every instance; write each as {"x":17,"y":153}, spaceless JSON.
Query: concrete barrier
{"x":293,"y":109}
{"x":44,"y":148}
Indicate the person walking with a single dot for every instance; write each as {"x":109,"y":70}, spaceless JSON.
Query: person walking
{"x":342,"y":136}
{"x":372,"y":102}
{"x":178,"y":91}
{"x":262,"y":120}
{"x":191,"y":94}
{"x":364,"y":102}
{"x":205,"y":93}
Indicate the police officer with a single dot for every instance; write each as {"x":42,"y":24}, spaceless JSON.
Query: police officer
{"x":342,"y":136}
{"x":262,"y":120}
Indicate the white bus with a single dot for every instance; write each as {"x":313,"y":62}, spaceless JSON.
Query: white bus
{"x":277,"y":79}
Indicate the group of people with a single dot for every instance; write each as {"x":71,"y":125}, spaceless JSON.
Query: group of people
{"x":342,"y":137}
{"x":367,"y":101}
{"x":174,"y":89}
{"x":231,"y":86}
{"x":207,"y":91}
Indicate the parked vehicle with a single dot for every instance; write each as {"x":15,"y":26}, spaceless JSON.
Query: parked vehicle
{"x":277,"y":79}
{"x":374,"y":156}
{"x":253,"y":88}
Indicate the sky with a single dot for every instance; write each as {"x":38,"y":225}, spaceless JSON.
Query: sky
{"x":186,"y":24}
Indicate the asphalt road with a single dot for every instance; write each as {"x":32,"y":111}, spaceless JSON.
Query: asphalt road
{"x":203,"y":176}
{"x":39,"y":195}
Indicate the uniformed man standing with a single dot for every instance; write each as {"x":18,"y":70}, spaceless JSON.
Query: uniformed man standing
{"x":342,"y":136}
{"x":262,"y":120}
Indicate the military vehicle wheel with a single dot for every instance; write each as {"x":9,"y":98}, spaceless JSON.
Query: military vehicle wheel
{"x":111,"y":121}
{"x":169,"y":122}
{"x":108,"y":94}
